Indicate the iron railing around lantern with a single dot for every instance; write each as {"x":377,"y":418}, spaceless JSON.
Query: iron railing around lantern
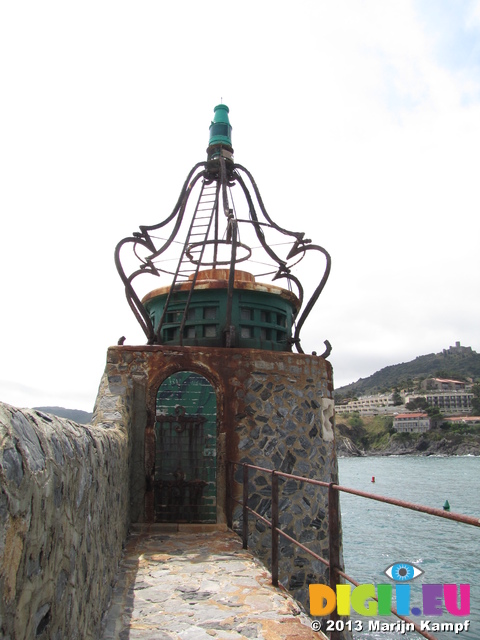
{"x":333,"y":563}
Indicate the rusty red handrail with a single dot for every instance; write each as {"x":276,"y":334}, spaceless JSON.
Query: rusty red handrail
{"x":458,"y":517}
{"x":333,"y":524}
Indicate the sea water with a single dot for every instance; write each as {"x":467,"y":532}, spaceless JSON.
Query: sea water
{"x":376,"y":535}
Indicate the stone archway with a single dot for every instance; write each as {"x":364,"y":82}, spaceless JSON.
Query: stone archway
{"x":185,"y":450}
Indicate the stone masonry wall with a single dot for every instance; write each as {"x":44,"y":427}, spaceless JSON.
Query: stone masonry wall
{"x":288,"y":426}
{"x":64,"y":496}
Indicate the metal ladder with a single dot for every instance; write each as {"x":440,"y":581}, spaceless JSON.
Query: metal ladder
{"x":192,"y":252}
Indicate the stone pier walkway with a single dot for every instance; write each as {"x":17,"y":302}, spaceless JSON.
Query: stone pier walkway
{"x":190,"y":585}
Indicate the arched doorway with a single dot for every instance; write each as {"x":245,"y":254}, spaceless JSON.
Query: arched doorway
{"x":185,"y":450}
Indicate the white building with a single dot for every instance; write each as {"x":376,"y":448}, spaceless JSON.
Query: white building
{"x":447,"y":401}
{"x":381,"y":403}
{"x":411,"y":422}
{"x":442,"y":384}
{"x":465,"y":420}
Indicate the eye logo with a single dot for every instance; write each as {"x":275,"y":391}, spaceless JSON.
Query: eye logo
{"x":403,"y":571}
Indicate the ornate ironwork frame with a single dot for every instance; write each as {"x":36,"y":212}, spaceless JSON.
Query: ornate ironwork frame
{"x":220,"y":169}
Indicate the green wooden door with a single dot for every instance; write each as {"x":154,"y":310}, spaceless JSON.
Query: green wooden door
{"x":185,"y":450}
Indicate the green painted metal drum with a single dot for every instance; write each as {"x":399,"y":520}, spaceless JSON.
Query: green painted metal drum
{"x":261,"y":314}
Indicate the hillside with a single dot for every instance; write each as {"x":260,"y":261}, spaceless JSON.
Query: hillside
{"x":77,"y":415}
{"x":374,"y":436}
{"x":450,"y":363}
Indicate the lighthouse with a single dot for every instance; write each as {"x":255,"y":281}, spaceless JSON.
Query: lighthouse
{"x":223,"y":377}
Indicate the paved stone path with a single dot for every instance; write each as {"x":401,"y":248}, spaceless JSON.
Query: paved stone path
{"x":185,"y":585}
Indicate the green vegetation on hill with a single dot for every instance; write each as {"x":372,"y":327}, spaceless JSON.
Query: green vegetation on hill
{"x":441,"y":365}
{"x":374,"y":435}
{"x":77,"y":415}
{"x":366,"y":432}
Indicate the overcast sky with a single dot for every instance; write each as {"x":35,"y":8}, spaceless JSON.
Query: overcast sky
{"x":359,"y":119}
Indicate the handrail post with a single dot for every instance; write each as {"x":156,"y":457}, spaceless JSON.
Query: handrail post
{"x":334,"y":546}
{"x":230,"y":481}
{"x":274,"y":529}
{"x":245,"y":510}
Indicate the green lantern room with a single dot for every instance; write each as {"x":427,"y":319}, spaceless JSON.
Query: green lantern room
{"x":262,"y":314}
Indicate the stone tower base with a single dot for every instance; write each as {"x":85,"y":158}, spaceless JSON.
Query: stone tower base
{"x":273,"y":410}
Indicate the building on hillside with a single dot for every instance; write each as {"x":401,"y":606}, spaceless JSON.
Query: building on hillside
{"x":411,"y":422}
{"x":458,"y":350}
{"x":465,"y":420}
{"x":447,"y":401}
{"x":382,"y":403}
{"x":442,"y":384}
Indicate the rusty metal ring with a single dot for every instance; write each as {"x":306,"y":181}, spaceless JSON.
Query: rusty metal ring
{"x":218,"y":262}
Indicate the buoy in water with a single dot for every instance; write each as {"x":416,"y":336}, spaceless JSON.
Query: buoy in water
{"x":373,"y":478}
{"x":446,"y":506}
